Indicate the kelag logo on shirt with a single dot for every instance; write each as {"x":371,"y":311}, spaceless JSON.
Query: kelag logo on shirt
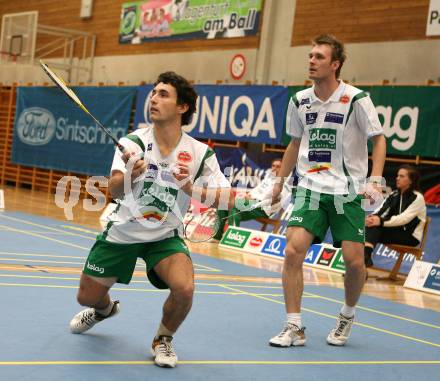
{"x":322,"y":138}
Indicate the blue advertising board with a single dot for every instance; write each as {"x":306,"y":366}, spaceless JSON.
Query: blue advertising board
{"x":52,"y":132}
{"x":238,"y":113}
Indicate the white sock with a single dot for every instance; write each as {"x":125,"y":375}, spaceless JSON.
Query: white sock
{"x":295,"y":318}
{"x":105,"y":311}
{"x":164,"y":331}
{"x":348,"y":311}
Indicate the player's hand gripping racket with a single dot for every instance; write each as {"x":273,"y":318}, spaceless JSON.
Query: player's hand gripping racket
{"x":73,"y":97}
{"x":204,"y":226}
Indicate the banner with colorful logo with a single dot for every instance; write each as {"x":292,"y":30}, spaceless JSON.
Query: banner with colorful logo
{"x":51,"y":132}
{"x":409,"y":115}
{"x":273,"y":245}
{"x":238,"y":113}
{"x":167,"y":20}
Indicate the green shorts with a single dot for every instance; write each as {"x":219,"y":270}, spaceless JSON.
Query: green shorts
{"x":108,"y":259}
{"x":317,"y":212}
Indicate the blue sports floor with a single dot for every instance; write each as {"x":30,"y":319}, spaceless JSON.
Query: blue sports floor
{"x":224,"y":338}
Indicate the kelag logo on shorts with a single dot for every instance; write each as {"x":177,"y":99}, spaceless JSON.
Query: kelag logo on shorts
{"x":326,"y":256}
{"x":36,"y":126}
{"x":322,"y":138}
{"x":433,"y":280}
{"x":275,"y":246}
{"x":235,"y":238}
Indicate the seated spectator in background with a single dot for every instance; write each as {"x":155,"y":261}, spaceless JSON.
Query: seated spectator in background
{"x":401,"y":217}
{"x":262,"y":191}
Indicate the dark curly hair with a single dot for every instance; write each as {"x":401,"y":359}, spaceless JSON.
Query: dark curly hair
{"x":185,"y":92}
{"x":338,"y":50}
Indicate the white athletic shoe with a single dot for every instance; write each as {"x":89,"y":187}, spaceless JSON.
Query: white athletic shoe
{"x":291,"y":335}
{"x":340,"y":334}
{"x":87,"y":318}
{"x":163,"y":352}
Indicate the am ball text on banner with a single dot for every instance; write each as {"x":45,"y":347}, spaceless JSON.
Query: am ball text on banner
{"x":238,"y":113}
{"x":167,"y":20}
{"x":51,"y":132}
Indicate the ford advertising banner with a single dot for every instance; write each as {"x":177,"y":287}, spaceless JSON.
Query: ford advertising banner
{"x":238,"y":113}
{"x":51,"y":132}
{"x":167,"y":20}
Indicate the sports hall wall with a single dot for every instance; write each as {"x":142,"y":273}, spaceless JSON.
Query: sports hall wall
{"x":385,"y":41}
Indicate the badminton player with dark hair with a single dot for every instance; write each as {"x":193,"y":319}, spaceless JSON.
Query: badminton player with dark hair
{"x":152,"y":181}
{"x":330,"y":124}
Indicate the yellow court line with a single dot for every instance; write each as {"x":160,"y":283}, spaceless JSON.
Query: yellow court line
{"x":42,"y":226}
{"x":317,"y":296}
{"x":48,"y":238}
{"x":379,"y":312}
{"x":77,"y":246}
{"x":333,"y":317}
{"x":40,"y":255}
{"x":228,"y":362}
{"x":207,"y":268}
{"x":41,"y":261}
{"x":153,"y":290}
{"x":80,"y":229}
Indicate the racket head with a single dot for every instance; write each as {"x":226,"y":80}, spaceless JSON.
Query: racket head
{"x":61,"y":84}
{"x":202,"y":227}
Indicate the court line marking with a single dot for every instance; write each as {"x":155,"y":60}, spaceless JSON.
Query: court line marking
{"x":47,"y":238}
{"x":368,"y":309}
{"x":360,"y":307}
{"x":43,"y":226}
{"x":333,"y":317}
{"x":125,"y":289}
{"x":322,"y":297}
{"x":227,"y":362}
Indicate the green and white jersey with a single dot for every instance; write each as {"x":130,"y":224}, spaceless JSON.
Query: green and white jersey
{"x":333,"y":137}
{"x":155,"y":207}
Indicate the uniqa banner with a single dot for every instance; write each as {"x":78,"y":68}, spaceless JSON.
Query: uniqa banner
{"x":238,"y":113}
{"x":156,"y":20}
{"x":409,"y":115}
{"x":52,"y":132}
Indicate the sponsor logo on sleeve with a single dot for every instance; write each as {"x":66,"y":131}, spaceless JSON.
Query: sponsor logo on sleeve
{"x":305,"y":101}
{"x":333,"y":117}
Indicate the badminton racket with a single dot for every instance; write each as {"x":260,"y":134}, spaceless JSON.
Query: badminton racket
{"x":204,"y":226}
{"x":74,"y":98}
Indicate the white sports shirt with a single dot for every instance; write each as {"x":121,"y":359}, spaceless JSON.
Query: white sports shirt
{"x":155,"y":208}
{"x":333,"y":137}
